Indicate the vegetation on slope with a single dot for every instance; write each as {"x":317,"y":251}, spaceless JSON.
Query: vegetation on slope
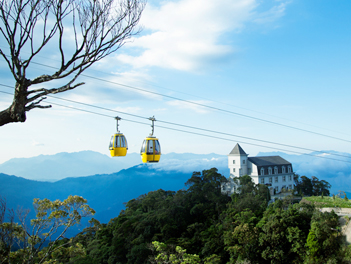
{"x":199,"y":224}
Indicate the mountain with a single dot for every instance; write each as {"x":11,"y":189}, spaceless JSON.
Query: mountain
{"x":62,"y":165}
{"x":105,"y":193}
{"x":86,"y":163}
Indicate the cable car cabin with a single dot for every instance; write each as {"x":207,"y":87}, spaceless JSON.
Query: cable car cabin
{"x":118,"y":145}
{"x":150,"y":150}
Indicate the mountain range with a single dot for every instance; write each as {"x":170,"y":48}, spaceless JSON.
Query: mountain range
{"x":108,"y":182}
{"x":87,"y":163}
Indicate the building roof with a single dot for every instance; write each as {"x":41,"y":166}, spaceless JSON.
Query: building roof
{"x":268,"y":161}
{"x":237,"y":150}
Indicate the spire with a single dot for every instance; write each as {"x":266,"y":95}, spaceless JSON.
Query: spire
{"x":237,"y":150}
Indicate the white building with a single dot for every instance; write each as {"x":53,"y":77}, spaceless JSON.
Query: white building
{"x":273,"y":171}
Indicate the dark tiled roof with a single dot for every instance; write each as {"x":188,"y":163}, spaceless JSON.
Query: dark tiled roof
{"x":237,"y":150}
{"x":268,"y":161}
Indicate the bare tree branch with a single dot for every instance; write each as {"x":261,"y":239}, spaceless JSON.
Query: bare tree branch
{"x":99,"y":29}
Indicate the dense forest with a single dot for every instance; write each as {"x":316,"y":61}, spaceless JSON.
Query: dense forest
{"x":199,"y":224}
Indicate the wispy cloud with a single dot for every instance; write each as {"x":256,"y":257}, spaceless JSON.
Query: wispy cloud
{"x":187,"y":34}
{"x":37,"y":144}
{"x":191,"y":105}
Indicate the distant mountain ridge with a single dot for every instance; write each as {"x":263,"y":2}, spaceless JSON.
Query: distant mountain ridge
{"x":105,"y":193}
{"x":86,"y":163}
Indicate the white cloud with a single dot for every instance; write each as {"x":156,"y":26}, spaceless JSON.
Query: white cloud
{"x":193,"y":165}
{"x":186,"y":34}
{"x":37,"y":144}
{"x":191,"y":105}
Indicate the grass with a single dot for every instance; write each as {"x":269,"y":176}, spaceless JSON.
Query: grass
{"x":328,"y":201}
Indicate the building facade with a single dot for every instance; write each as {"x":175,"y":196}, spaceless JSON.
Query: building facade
{"x":273,"y":171}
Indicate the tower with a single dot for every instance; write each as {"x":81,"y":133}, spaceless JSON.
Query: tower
{"x":237,"y":162}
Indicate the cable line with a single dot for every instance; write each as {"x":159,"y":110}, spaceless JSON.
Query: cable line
{"x":203,"y":105}
{"x":200,"y":134}
{"x":181,"y":125}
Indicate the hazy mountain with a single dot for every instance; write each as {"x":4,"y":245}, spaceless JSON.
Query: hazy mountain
{"x":105,"y":193}
{"x":86,"y":163}
{"x":62,"y":165}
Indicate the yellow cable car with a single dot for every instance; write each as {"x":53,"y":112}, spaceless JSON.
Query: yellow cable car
{"x":118,"y":144}
{"x":151,"y":149}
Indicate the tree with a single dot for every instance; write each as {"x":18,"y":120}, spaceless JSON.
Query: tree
{"x":313,"y":186}
{"x":29,"y":27}
{"x":323,"y":241}
{"x":178,"y":255}
{"x":52,"y":221}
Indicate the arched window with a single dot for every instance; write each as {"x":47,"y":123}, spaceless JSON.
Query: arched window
{"x":269,"y":170}
{"x":275,"y":170}
{"x":283,"y":169}
{"x":262,"y":171}
{"x":289,"y":169}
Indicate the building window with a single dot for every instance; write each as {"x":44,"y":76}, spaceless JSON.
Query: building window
{"x":289,"y":169}
{"x":233,"y":169}
{"x":262,"y":171}
{"x":240,"y":172}
{"x":284,"y":178}
{"x":262,"y":180}
{"x":290,"y":187}
{"x":270,"y":180}
{"x":275,"y":170}
{"x":269,"y":170}
{"x":233,"y":161}
{"x":276,"y":189}
{"x":283,"y":169}
{"x":276,"y":179}
{"x":243,"y":161}
{"x":289,"y":177}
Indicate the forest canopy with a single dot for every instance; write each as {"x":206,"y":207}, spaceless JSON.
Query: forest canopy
{"x":200,"y":224}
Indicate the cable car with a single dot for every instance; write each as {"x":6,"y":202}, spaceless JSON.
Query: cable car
{"x":118,"y":144}
{"x":151,"y":149}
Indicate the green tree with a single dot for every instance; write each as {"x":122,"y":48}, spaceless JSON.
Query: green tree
{"x":284,"y":232}
{"x":323,"y":240}
{"x":244,"y":212}
{"x":53,"y":219}
{"x":310,"y":187}
{"x":177,"y":255}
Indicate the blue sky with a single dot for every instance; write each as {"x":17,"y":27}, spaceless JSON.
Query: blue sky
{"x":283,"y":61}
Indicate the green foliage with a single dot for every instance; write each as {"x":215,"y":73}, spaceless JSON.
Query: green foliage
{"x":323,"y":238}
{"x":309,"y":187}
{"x":191,"y":219}
{"x":178,"y":255}
{"x":194,"y":225}
{"x":328,"y":201}
{"x":52,"y":218}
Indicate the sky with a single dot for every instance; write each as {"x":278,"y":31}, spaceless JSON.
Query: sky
{"x":270,"y":70}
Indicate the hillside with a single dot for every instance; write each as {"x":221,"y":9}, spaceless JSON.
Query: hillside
{"x":106,"y":193}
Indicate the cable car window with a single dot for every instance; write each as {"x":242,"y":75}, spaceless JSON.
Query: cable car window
{"x":123,"y":142}
{"x":117,"y":142}
{"x":157,"y":147}
{"x":111,"y":142}
{"x":143,"y":147}
{"x":150,"y":147}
